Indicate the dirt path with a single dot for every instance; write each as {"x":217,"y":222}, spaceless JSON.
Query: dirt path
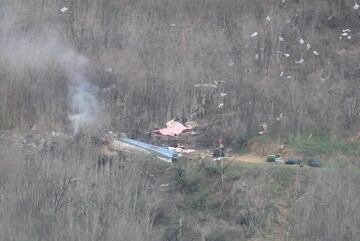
{"x":248,"y":158}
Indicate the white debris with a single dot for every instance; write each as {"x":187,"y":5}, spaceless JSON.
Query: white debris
{"x":301,"y":41}
{"x":282,"y":1}
{"x":223,"y":94}
{"x":231,"y":63}
{"x":221,"y":105}
{"x":287,"y":55}
{"x":256,"y":56}
{"x":173,"y":25}
{"x":281,"y":74}
{"x":346,"y":30}
{"x":279,"y":161}
{"x":329,"y":18}
{"x":64,"y":9}
{"x":301,"y":60}
{"x":308,"y":46}
{"x":280,"y":117}
{"x":349,"y":37}
{"x":344,"y":34}
{"x":164,"y":185}
{"x":205,"y":85}
{"x":340,"y":37}
{"x":254,"y":34}
{"x":268,"y":18}
{"x":316,"y":53}
{"x":289,"y":77}
{"x":356,"y":6}
{"x":281,"y":39}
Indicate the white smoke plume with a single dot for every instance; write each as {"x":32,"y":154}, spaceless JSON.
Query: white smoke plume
{"x":36,"y":53}
{"x":82,"y":94}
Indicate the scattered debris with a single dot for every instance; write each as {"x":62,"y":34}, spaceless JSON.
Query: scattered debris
{"x":64,"y":9}
{"x":281,"y":74}
{"x":301,"y":41}
{"x":289,"y":77}
{"x":173,"y":25}
{"x":223,"y":94}
{"x":256,"y":56}
{"x":173,"y":128}
{"x":308,"y":46}
{"x":205,"y":85}
{"x":316,"y":53}
{"x":181,"y":150}
{"x":280,"y":117}
{"x":264,"y":129}
{"x":281,"y":39}
{"x":356,"y":6}
{"x":254,"y":34}
{"x":344,"y":34}
{"x":285,"y":54}
{"x":300,"y":61}
{"x":279,"y":161}
{"x":268,"y":18}
{"x":221,"y":105}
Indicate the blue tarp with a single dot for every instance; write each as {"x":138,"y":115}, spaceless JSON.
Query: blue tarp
{"x":156,"y":150}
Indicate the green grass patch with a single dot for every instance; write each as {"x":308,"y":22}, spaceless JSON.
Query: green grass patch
{"x":321,"y":144}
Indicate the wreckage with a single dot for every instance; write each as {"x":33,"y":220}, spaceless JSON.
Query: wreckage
{"x":111,"y":146}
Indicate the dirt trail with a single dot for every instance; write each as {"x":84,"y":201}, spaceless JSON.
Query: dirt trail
{"x":248,"y":158}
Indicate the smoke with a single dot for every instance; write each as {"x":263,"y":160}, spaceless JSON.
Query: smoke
{"x":83,"y":104}
{"x":38,"y":53}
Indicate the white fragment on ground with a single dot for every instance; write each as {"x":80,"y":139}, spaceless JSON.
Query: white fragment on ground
{"x":356,"y":6}
{"x":281,"y":39}
{"x":349,"y":37}
{"x":340,"y":37}
{"x":223,"y":94}
{"x":282,"y":1}
{"x":287,"y":55}
{"x":344,"y":34}
{"x":301,"y":41}
{"x":308,"y":46}
{"x":64,"y":9}
{"x":289,"y":77}
{"x":281,"y":74}
{"x":316,"y":53}
{"x":256,"y":56}
{"x":231,"y":64}
{"x":300,"y":61}
{"x":346,"y":30}
{"x":268,"y":18}
{"x":221,"y":105}
{"x":254,"y":34}
{"x":329,"y":18}
{"x":173,"y":25}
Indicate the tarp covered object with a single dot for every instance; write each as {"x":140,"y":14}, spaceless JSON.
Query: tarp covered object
{"x":173,"y":128}
{"x":155,"y":150}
